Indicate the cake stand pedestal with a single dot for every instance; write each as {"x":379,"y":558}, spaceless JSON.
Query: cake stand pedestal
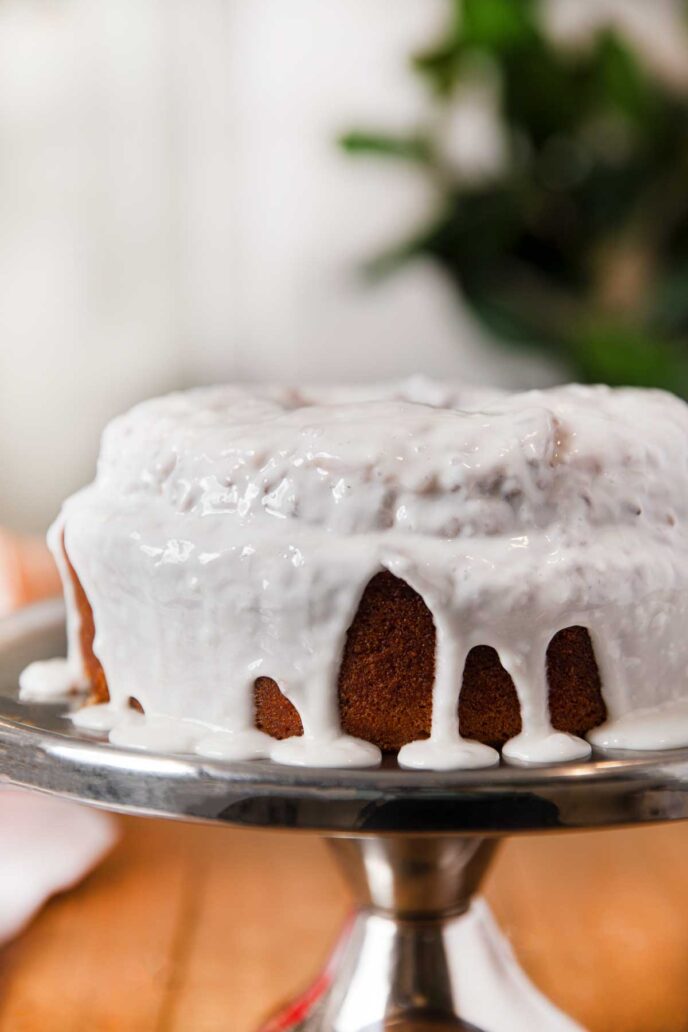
{"x":417,"y":955}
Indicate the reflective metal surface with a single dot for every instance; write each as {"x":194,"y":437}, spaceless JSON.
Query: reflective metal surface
{"x":413,"y":844}
{"x":405,"y":973}
{"x":398,"y":955}
{"x":40,"y":748}
{"x":414,"y":878}
{"x":415,"y":957}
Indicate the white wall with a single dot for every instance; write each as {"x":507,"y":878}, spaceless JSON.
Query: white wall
{"x":300,"y":217}
{"x":87,"y":300}
{"x":173,"y":209}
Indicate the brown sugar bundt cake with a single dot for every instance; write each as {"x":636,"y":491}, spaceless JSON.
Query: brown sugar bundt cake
{"x":419,"y":568}
{"x":386,"y":677}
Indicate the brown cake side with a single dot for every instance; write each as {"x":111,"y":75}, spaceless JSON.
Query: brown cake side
{"x":387,"y":671}
{"x":95,"y":675}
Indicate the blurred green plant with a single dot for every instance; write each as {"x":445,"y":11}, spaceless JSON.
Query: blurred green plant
{"x":578,"y":242}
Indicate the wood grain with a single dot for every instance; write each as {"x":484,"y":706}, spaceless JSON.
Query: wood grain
{"x":193,"y":929}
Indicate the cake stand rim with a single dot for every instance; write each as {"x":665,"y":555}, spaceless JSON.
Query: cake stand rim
{"x":40,"y":749}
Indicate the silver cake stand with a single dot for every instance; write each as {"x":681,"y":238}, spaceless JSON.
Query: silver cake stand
{"x":414,"y":845}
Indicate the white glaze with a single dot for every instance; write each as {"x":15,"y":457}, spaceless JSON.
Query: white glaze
{"x":46,"y":680}
{"x":76,"y":670}
{"x":102,"y":717}
{"x":230,"y":534}
{"x":54,"y":679}
{"x":662,"y":727}
{"x":450,"y":753}
{"x":335,"y":751}
{"x":235,"y":745}
{"x":552,"y":747}
{"x":155,"y":733}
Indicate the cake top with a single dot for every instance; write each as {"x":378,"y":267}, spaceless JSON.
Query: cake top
{"x":440,"y":460}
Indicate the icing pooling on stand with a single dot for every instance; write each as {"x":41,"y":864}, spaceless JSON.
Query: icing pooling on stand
{"x":230,"y":533}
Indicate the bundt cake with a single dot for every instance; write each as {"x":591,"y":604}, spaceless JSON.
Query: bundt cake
{"x":317,"y":576}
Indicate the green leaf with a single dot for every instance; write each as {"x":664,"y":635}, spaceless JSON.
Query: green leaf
{"x":511,"y":321}
{"x":625,"y":356}
{"x":411,"y":148}
{"x":603,"y":159}
{"x":670,"y":308}
{"x":498,"y":25}
{"x":492,"y":27}
{"x":621,"y":81}
{"x":440,"y":66}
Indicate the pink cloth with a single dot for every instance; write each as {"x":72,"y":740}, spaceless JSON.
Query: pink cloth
{"x":47,"y":845}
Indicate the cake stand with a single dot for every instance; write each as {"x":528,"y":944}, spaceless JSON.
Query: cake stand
{"x":416,"y":955}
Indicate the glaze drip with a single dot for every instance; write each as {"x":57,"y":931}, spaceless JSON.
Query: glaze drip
{"x":230,"y":533}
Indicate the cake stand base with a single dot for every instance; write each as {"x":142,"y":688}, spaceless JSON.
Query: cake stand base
{"x":421,"y":954}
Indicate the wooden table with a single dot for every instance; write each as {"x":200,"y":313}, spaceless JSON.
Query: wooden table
{"x":193,"y":929}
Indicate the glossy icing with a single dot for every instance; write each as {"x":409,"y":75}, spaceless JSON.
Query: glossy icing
{"x":230,"y":533}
